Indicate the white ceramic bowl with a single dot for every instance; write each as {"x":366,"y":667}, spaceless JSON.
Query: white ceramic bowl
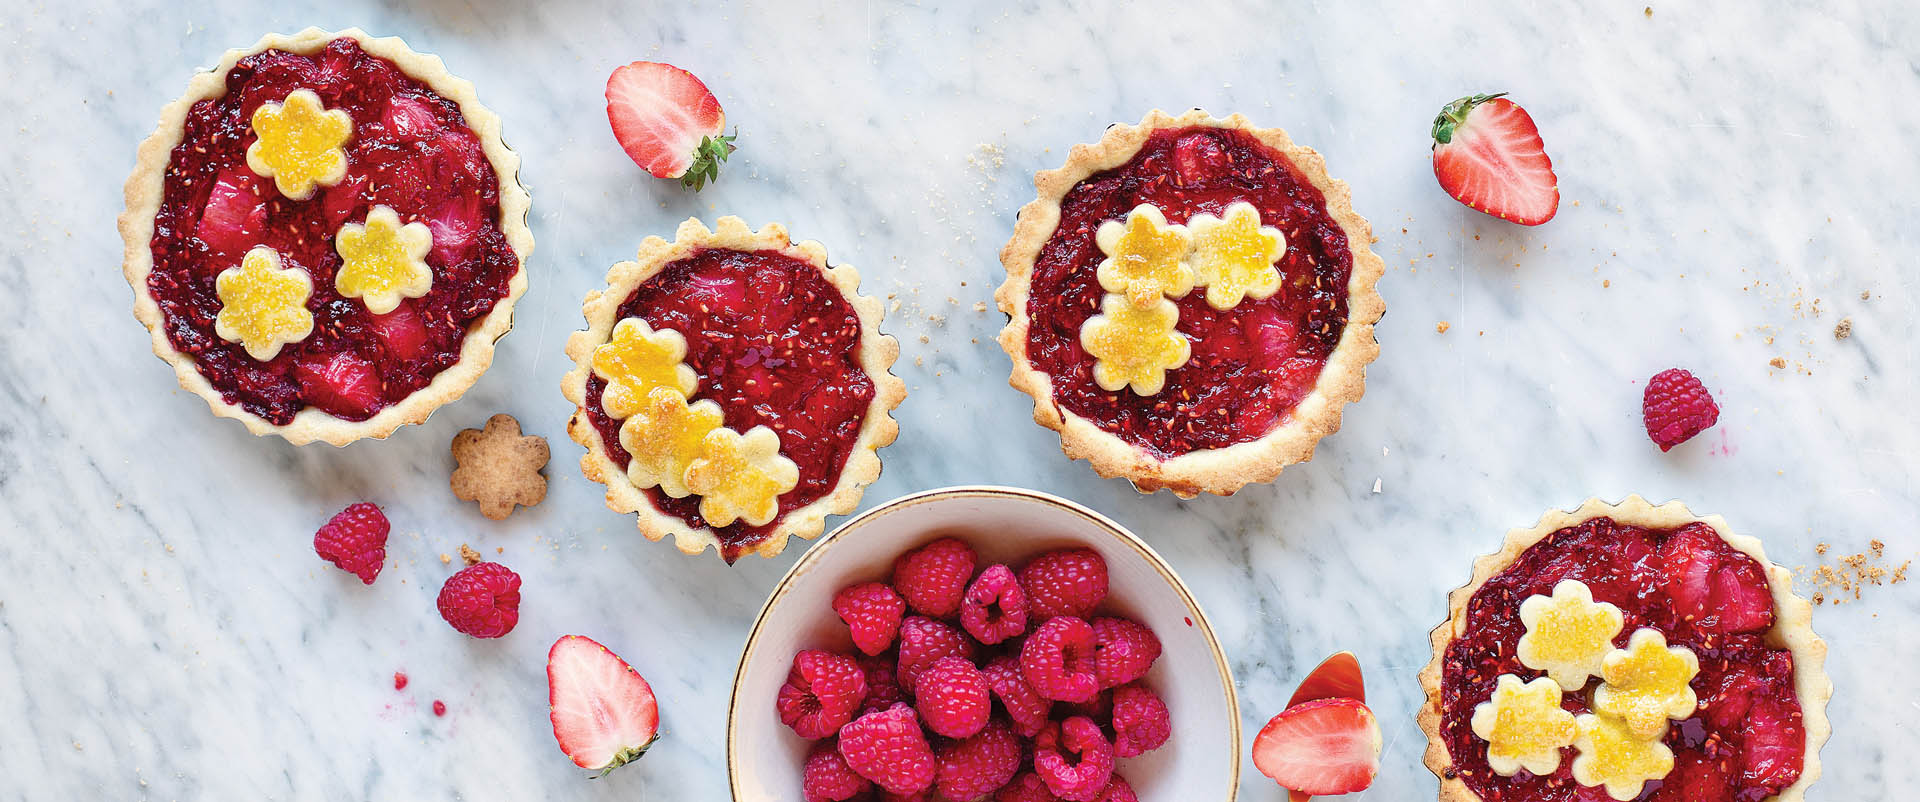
{"x":1201,"y":763}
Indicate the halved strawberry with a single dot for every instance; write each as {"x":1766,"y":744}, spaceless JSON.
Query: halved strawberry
{"x":409,"y":118}
{"x":235,"y":214}
{"x":1337,"y":677}
{"x":1488,"y":155}
{"x":668,"y":122}
{"x":401,"y":331}
{"x":604,"y":713}
{"x":1327,"y":746}
{"x":341,"y":383}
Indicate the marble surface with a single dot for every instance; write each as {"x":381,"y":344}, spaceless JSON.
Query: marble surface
{"x":1736,"y":182}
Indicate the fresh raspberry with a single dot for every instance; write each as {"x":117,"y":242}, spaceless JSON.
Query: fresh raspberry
{"x":1027,"y":708}
{"x":924,"y":640}
{"x":1067,"y":582}
{"x":1123,"y":650}
{"x":1677,"y":407}
{"x":995,"y":608}
{"x":1140,"y":721}
{"x":933,"y":577}
{"x":826,"y":778}
{"x":888,"y":748}
{"x":1057,"y":660}
{"x":883,"y":684}
{"x":822,"y":692}
{"x":973,"y":768}
{"x":482,"y":600}
{"x":922,"y":795}
{"x":1117,"y":791}
{"x":355,"y":540}
{"x":872,"y":612}
{"x":1074,"y":759}
{"x":953,"y":698}
{"x":1099,"y":708}
{"x":1027,"y":787}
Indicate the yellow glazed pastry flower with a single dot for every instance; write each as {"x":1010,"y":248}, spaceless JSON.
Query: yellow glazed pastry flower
{"x":1613,"y":756}
{"x":299,"y":143}
{"x":741,"y":477}
{"x":1134,"y":346}
{"x":664,"y":437}
{"x":636,"y":360}
{"x":383,"y":261}
{"x":262,"y":305}
{"x":1146,"y":258}
{"x":1233,"y":256}
{"x":1524,"y":726}
{"x":1646,"y":684}
{"x":1568,"y":634}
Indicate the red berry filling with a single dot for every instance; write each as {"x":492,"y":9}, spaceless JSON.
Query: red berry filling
{"x":411,"y":150}
{"x":1252,"y":364}
{"x":1702,"y":594}
{"x":776,"y":345}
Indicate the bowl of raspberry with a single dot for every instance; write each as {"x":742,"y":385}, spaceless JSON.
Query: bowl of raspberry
{"x":982,"y":643}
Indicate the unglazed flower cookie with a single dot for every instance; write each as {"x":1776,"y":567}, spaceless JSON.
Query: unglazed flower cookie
{"x":325,"y":236}
{"x":732,"y":389}
{"x":1190,"y":303}
{"x":1654,"y":653}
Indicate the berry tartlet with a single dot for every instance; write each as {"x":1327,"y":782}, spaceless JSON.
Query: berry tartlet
{"x":1191,"y":303}
{"x":1626,"y":652}
{"x":325,"y":236}
{"x":732,"y":389}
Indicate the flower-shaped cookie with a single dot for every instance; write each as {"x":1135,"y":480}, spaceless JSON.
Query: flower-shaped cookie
{"x":1646,"y":684}
{"x":383,"y":261}
{"x":1568,"y":633}
{"x":1613,"y":756}
{"x":664,"y":437}
{"x":741,"y":476}
{"x":262,"y":305}
{"x":1146,"y":258}
{"x":638,"y":359}
{"x":1133,"y":345}
{"x":299,"y":143}
{"x":1233,"y":256}
{"x":1524,"y":726}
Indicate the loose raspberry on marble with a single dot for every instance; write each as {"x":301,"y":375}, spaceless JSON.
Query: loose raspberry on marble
{"x":953,"y":698}
{"x":1026,"y":787}
{"x":825,"y":777}
{"x":872,"y":612}
{"x":822,"y":692}
{"x":1066,"y":582}
{"x":971,"y":769}
{"x":355,"y":540}
{"x":1057,"y":660}
{"x":1123,"y":650}
{"x":924,"y":640}
{"x":1118,"y":791}
{"x":1074,"y":759}
{"x":888,"y":748}
{"x":1676,"y":406}
{"x":482,"y":600}
{"x":1024,"y":706}
{"x":994,"y":608}
{"x":1140,"y":721}
{"x":933,"y":578}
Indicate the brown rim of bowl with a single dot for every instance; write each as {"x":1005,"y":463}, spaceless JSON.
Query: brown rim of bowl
{"x":1121,"y":533}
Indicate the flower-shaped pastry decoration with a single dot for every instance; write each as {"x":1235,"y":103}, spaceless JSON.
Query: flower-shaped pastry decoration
{"x":1646,"y":684}
{"x":1568,"y":633}
{"x":1233,"y":256}
{"x":299,"y":144}
{"x":262,"y":305}
{"x":1134,"y":346}
{"x":1613,"y":756}
{"x":664,"y":437}
{"x":383,"y":261}
{"x":741,"y":476}
{"x":636,"y":360}
{"x":1146,"y":257}
{"x":1524,"y":726}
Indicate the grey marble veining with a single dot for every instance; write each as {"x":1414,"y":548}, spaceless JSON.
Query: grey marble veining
{"x":1736,"y":180}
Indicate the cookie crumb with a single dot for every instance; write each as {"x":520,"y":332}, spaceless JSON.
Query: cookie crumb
{"x":1442,"y":327}
{"x":1649,"y":12}
{"x":1845,"y":579}
{"x":1843,"y":329}
{"x":444,"y":559}
{"x":1777,"y":362}
{"x":469,"y":556}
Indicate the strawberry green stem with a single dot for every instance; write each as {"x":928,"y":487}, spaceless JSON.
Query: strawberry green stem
{"x":1456,"y":113}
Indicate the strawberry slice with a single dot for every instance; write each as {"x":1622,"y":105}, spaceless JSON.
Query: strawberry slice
{"x":409,"y":118}
{"x":341,"y":383}
{"x":604,"y":714}
{"x":1337,"y":677}
{"x":668,"y":122}
{"x":1488,"y":155}
{"x":235,"y":214}
{"x":401,"y":331}
{"x":1326,"y":746}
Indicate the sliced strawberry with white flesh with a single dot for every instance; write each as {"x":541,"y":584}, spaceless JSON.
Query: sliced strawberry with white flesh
{"x":235,"y":214}
{"x":668,"y":122}
{"x":341,"y":383}
{"x":1327,"y":746}
{"x":1488,"y":155}
{"x":401,"y":331}
{"x":604,"y":714}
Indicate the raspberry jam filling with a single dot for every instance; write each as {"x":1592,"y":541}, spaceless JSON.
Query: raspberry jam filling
{"x":1252,"y":364}
{"x":1747,"y":740}
{"x":411,"y":150}
{"x":774,"y":344}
